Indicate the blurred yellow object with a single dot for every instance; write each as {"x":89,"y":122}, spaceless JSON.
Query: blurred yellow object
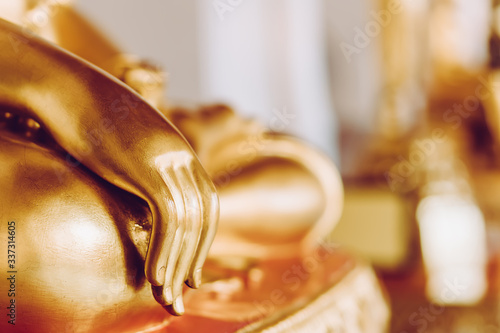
{"x":376,"y":224}
{"x":109,"y":200}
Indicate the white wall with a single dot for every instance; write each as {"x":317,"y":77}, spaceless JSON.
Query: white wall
{"x":259,"y":56}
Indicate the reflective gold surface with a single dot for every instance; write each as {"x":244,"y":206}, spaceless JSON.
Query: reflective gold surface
{"x":109,"y":198}
{"x":118,"y":136}
{"x":81,"y":245}
{"x":289,"y":182}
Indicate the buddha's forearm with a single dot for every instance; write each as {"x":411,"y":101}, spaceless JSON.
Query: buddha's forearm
{"x":117,"y":135}
{"x":101,"y":123}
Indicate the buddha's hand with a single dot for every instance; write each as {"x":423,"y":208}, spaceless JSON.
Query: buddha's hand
{"x":121,"y":138}
{"x":185,"y":216}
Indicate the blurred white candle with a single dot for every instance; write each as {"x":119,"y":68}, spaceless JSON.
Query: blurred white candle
{"x":453,"y":238}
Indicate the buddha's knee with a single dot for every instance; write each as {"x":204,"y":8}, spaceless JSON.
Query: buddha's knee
{"x":273,"y":201}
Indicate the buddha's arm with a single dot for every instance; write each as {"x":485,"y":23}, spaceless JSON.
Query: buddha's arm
{"x":114,"y":133}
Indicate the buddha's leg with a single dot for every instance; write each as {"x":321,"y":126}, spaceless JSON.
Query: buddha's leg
{"x":279,"y":196}
{"x":280,"y":201}
{"x":80,"y":245}
{"x":264,"y":206}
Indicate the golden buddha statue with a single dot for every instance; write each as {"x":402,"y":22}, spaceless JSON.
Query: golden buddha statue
{"x":105,"y":200}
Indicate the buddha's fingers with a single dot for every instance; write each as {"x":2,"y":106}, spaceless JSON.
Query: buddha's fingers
{"x":114,"y":133}
{"x":193,"y":210}
{"x":166,"y":236}
{"x":179,"y":246}
{"x":161,"y":245}
{"x":209,"y":217}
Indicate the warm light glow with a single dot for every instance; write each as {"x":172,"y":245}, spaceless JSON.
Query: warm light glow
{"x":11,"y":10}
{"x":454,"y":249}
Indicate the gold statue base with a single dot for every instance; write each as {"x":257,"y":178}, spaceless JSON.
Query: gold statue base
{"x":328,"y":291}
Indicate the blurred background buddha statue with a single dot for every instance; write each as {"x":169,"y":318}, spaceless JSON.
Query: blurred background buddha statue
{"x":429,"y":152}
{"x":89,"y":168}
{"x":402,"y":94}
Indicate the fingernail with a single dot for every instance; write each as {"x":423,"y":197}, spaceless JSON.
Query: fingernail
{"x":161,"y":271}
{"x":197,"y":278}
{"x":179,"y":306}
{"x":169,"y":298}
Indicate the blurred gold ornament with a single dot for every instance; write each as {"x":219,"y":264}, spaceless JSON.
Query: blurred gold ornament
{"x":109,"y":199}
